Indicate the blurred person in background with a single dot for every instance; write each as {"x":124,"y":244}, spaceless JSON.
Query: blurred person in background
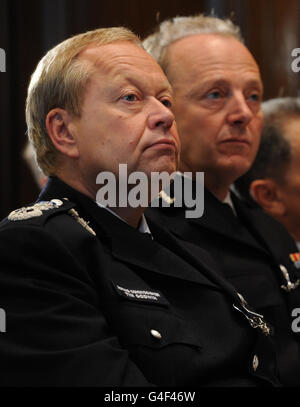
{"x":273,"y":181}
{"x":29,"y":157}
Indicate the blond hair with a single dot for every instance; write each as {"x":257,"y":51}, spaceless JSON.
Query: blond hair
{"x":176,"y":28}
{"x":59,"y":81}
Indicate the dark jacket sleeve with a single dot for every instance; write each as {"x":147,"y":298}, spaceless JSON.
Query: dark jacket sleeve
{"x":56,"y":333}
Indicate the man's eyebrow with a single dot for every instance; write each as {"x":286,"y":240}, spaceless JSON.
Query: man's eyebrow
{"x":251,"y":82}
{"x":169,"y":89}
{"x":136,"y":81}
{"x":206,"y":86}
{"x":256,"y":83}
{"x":212,"y":83}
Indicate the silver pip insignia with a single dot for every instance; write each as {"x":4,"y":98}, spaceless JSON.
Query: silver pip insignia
{"x":35,"y":210}
{"x":81,"y":221}
{"x":166,"y":197}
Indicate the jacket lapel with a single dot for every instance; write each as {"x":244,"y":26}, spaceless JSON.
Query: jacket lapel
{"x":219,"y":218}
{"x":136,"y":248}
{"x":261,"y":226}
{"x":126,"y":243}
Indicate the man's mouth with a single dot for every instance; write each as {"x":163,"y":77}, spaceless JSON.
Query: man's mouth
{"x":164,"y":143}
{"x":236,"y":140}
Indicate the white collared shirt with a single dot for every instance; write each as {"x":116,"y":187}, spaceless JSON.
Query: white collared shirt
{"x":228,"y":201}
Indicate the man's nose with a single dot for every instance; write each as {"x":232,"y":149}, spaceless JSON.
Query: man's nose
{"x":240,"y":113}
{"x":160,"y":116}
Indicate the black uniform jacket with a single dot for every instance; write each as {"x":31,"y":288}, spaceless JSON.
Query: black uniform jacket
{"x":105,"y":305}
{"x":251,"y":250}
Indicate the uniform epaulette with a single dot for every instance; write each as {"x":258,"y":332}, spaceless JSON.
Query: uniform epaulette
{"x":40,"y":210}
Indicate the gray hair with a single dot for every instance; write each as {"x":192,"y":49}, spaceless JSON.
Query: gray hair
{"x":275,"y":151}
{"x":176,"y":28}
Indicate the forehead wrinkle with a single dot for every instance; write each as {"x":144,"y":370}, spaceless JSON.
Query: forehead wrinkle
{"x":223,"y":80}
{"x":101,"y":56}
{"x":220,"y":56}
{"x":219,"y":66}
{"x":205,"y":46}
{"x":127,"y":67}
{"x":118,"y":65}
{"x":217,"y":75}
{"x":139,"y":74}
{"x":123,"y":74}
{"x":210,"y":53}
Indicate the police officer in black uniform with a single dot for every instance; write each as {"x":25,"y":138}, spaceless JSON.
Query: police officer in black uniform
{"x":91,"y":297}
{"x":219,"y":119}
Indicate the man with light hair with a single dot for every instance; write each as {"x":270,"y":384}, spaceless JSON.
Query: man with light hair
{"x":273,"y":180}
{"x":217,"y":105}
{"x":90,"y":297}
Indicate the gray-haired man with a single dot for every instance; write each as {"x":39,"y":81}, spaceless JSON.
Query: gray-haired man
{"x":218,"y":93}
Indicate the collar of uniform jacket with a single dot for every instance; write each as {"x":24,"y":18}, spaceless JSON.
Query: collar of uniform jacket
{"x":217,"y":217}
{"x":143,"y":225}
{"x":128,"y":244}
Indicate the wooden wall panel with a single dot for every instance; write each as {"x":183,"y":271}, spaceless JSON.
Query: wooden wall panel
{"x":6,"y":145}
{"x":272,"y":33}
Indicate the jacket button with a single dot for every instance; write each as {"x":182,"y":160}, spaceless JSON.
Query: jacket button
{"x":155,"y":334}
{"x":255,"y":362}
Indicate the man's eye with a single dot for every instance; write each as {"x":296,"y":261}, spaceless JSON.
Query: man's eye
{"x":213,"y":95}
{"x":130,"y":98}
{"x":167,"y":103}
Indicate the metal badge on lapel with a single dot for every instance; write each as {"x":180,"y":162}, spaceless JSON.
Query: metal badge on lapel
{"x":289,"y":285}
{"x":255,"y":320}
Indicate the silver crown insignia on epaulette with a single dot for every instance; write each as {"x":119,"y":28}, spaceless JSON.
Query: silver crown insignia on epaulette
{"x":35,"y":210}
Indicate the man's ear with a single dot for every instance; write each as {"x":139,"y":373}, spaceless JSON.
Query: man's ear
{"x":60,"y":130}
{"x":266,"y":193}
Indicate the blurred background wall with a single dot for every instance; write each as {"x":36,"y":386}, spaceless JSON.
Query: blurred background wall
{"x":28,"y":28}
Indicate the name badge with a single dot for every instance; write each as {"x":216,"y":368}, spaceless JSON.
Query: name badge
{"x":141,"y":295}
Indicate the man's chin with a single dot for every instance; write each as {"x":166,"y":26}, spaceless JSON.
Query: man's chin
{"x":163,"y":164}
{"x":236,"y":167}
{"x":170,"y":169}
{"x":238,"y":171}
